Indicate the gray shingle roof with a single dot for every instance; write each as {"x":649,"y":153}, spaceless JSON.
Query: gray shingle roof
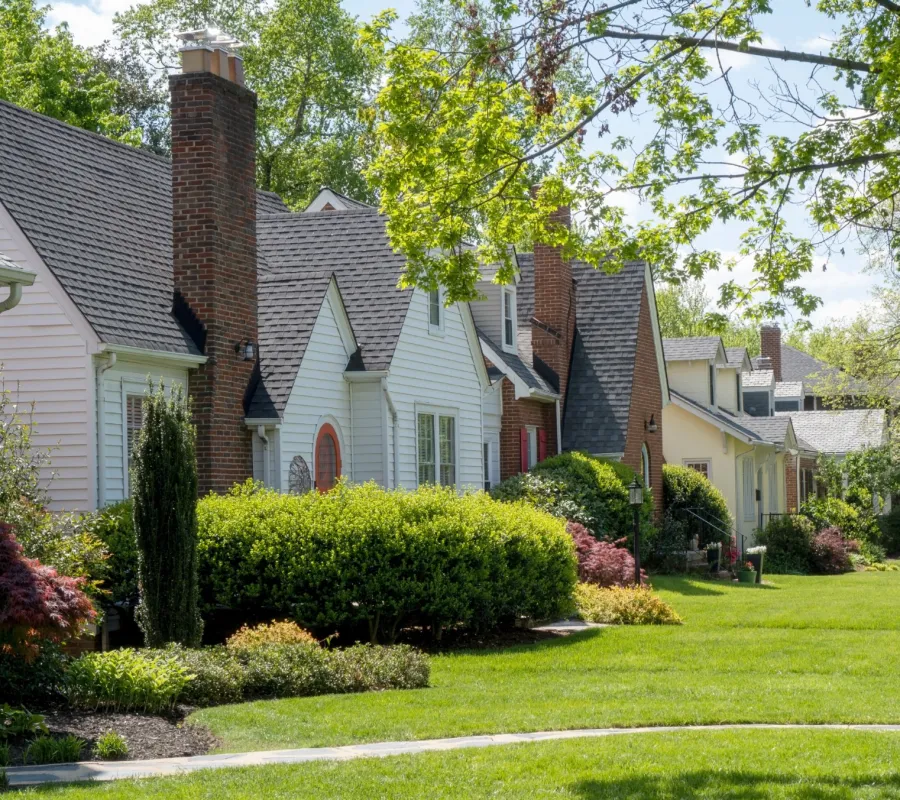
{"x":269,"y":203}
{"x":736,"y":355}
{"x":704,"y":348}
{"x":839,"y":431}
{"x":789,"y":389}
{"x":736,"y":424}
{"x":99,"y":213}
{"x":523,"y":369}
{"x":758,"y":379}
{"x":352,"y":245}
{"x":770,"y":429}
{"x":797,"y":366}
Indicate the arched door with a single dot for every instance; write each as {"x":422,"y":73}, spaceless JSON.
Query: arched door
{"x":328,"y":458}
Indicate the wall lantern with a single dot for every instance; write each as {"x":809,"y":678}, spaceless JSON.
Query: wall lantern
{"x":247,"y":349}
{"x":651,"y":426}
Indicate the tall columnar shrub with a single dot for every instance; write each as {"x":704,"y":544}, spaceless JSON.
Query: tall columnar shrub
{"x":164,"y":491}
{"x":690,"y":497}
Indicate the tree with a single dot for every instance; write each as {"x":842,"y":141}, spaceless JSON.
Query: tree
{"x":456,"y":126}
{"x":310,"y":70}
{"x":46,"y":71}
{"x":164,"y":490}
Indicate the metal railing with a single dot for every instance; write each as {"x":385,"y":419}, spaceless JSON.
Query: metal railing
{"x":714,"y":524}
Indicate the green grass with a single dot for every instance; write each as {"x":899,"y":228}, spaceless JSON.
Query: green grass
{"x":749,"y":765}
{"x":804,"y":650}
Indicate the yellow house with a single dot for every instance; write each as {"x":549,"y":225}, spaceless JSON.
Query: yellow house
{"x":705,"y":428}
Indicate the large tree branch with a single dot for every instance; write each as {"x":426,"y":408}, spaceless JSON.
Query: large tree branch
{"x":890,"y":5}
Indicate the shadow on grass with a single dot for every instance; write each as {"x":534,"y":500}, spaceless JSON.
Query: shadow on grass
{"x":556,"y":643}
{"x":695,"y":587}
{"x":740,"y":785}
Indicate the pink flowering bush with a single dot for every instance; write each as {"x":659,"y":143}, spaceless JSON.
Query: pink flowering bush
{"x":602,"y":563}
{"x":830,"y":552}
{"x":36,"y":604}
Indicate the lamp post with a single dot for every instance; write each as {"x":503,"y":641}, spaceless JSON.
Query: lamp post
{"x":636,"y":499}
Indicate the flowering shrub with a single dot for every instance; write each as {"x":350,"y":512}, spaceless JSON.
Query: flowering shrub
{"x":616,"y":605}
{"x":830,"y":552}
{"x":601,"y":563}
{"x":285,"y":632}
{"x":36,"y":604}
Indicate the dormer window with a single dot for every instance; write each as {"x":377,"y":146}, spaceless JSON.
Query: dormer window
{"x":435,"y":311}
{"x":509,"y":319}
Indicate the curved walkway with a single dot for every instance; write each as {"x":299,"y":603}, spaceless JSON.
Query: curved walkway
{"x":115,"y":770}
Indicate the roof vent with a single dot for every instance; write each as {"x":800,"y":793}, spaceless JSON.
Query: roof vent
{"x":210,"y":50}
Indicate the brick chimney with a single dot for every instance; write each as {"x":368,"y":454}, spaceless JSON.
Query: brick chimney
{"x":553,"y":324}
{"x":770,"y":346}
{"x":214,"y":247}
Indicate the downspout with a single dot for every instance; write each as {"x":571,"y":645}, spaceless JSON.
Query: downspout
{"x":101,"y":430}
{"x":261,"y":433}
{"x":558,"y":429}
{"x":15,"y":295}
{"x":396,"y":433}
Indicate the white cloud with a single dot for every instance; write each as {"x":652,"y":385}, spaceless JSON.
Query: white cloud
{"x":738,"y":61}
{"x":91,"y":22}
{"x":817,"y":44}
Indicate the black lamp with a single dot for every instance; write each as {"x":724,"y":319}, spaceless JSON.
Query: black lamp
{"x":636,"y":500}
{"x":247,"y":349}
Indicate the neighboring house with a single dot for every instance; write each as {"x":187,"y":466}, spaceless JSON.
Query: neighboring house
{"x":580,"y":363}
{"x":706,"y":430}
{"x":303,"y":359}
{"x":759,"y":392}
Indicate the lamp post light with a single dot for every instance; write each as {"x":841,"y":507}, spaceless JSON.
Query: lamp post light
{"x":636,"y":500}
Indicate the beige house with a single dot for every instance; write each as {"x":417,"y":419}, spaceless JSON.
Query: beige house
{"x":705,"y":428}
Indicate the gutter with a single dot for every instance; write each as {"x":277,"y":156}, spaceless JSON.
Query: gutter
{"x":15,"y":279}
{"x":396,"y":434}
{"x":261,"y":433}
{"x":159,"y":355}
{"x":558,"y":429}
{"x":101,"y":429}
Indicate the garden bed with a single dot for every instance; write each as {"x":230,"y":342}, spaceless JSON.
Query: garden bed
{"x":147,"y":736}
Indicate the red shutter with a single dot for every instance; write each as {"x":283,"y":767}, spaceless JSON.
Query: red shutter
{"x":523,"y":441}
{"x":542,"y":444}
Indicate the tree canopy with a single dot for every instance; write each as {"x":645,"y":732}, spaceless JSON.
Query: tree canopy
{"x":460,"y":120}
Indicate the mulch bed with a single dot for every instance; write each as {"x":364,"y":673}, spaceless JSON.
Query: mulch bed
{"x":147,"y":736}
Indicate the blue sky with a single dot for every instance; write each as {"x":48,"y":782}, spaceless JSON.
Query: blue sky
{"x":844,"y":287}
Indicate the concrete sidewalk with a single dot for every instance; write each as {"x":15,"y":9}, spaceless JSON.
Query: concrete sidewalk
{"x":116,"y":770}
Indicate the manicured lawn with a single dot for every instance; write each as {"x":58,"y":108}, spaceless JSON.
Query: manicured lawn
{"x":804,"y":650}
{"x":750,"y":765}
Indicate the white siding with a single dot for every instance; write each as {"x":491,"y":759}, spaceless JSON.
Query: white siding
{"x":726,"y":389}
{"x":44,"y":353}
{"x":128,"y":376}
{"x":488,"y":312}
{"x":439,"y":371}
{"x":259,"y":467}
{"x":320,"y":394}
{"x":369,"y":409}
{"x":492,"y":414}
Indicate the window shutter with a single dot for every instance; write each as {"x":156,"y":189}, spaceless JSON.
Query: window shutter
{"x":542,"y":444}
{"x":523,"y":446}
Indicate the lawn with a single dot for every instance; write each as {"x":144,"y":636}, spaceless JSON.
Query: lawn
{"x":802,"y":650}
{"x":750,"y":765}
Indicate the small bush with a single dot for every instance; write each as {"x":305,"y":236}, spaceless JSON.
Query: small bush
{"x":832,"y":512}
{"x":275,"y":632}
{"x":890,"y":531}
{"x":217,"y":675}
{"x":19,"y":722}
{"x":52,"y":750}
{"x":111,"y":747}
{"x":634,"y":605}
{"x":126,"y":680}
{"x":543,"y":493}
{"x":365,"y":668}
{"x":688,"y":493}
{"x":830,"y":553}
{"x":788,"y":540}
{"x":286,"y":670}
{"x":40,"y":679}
{"x":601,"y":563}
{"x":114,"y":526}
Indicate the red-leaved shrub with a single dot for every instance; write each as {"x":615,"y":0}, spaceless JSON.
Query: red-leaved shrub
{"x":602,"y":563}
{"x":36,"y":604}
{"x":830,"y":553}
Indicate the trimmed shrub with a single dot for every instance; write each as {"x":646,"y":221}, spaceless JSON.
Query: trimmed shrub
{"x":275,"y":632}
{"x":890,"y":531}
{"x":686,"y":492}
{"x":286,"y":670}
{"x":616,"y":605}
{"x":164,"y":484}
{"x":126,"y":680}
{"x":601,"y":563}
{"x":216,"y":675}
{"x":542,"y":492}
{"x":366,"y":668}
{"x":788,"y":541}
{"x":830,"y":553}
{"x":114,"y":526}
{"x":364,"y":554}
{"x":832,"y":512}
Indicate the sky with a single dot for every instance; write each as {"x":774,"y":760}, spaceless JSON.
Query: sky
{"x":843,"y":287}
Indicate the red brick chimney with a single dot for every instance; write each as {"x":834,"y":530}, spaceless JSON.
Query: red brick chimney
{"x":214,"y":249}
{"x":770,"y":346}
{"x":553,"y":324}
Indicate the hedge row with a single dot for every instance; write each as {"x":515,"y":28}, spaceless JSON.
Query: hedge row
{"x":365,"y":554}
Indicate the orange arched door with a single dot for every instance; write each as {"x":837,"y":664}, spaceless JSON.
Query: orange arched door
{"x":328,"y":458}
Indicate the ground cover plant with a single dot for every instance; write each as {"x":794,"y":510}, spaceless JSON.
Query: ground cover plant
{"x":617,"y":605}
{"x":752,"y":765}
{"x":813,"y":649}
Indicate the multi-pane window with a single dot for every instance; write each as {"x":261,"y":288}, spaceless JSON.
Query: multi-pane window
{"x":134,"y":420}
{"x":699,"y":466}
{"x":807,"y":485}
{"x":487,"y":465}
{"x":437,"y":449}
{"x":509,"y":318}
{"x":434,"y":309}
{"x":532,"y":447}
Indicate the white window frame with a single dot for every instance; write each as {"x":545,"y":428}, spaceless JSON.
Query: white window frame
{"x":437,"y":412}
{"x":712,"y":384}
{"x":508,"y":291}
{"x":748,"y":468}
{"x":436,"y":330}
{"x":645,"y":465}
{"x":533,"y":445}
{"x":487,"y":456}
{"x":689,"y":462}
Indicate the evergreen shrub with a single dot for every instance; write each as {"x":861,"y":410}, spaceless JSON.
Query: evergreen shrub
{"x":788,"y":540}
{"x":687,"y":494}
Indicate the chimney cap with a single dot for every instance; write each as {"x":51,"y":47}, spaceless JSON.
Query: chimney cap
{"x":771,"y":324}
{"x":208,"y":38}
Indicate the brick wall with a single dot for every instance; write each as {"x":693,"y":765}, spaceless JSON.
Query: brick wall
{"x":770,"y":346}
{"x":792,"y":500}
{"x":553,"y":327}
{"x":646,"y":402}
{"x":214,"y":254}
{"x":516,"y":415}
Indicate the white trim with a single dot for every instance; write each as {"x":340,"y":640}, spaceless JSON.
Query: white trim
{"x":327,"y":419}
{"x":522,"y":390}
{"x":437,"y":412}
{"x":508,"y":291}
{"x":153,"y":356}
{"x":657,"y":336}
{"x":440,"y":328}
{"x":16,"y":277}
{"x":468,"y":321}
{"x":323,"y":198}
{"x":341,"y":319}
{"x":686,"y":462}
{"x":269,"y":422}
{"x":707,"y":417}
{"x":363,"y":375}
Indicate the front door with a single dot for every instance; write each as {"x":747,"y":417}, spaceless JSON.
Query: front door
{"x":328,"y":458}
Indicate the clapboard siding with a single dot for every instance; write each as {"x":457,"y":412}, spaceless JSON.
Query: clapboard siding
{"x":44,"y":351}
{"x":437,"y":370}
{"x":369,"y":408}
{"x":320,"y":392}
{"x":488,"y":312}
{"x":259,"y":474}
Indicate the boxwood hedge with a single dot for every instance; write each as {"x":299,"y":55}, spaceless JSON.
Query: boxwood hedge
{"x":363,"y":554}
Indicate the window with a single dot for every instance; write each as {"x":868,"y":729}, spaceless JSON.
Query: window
{"x":701,"y":466}
{"x":134,"y":421}
{"x":436,"y":434}
{"x":509,"y":318}
{"x":787,"y":405}
{"x":807,"y":485}
{"x":487,"y":465}
{"x":645,"y":465}
{"x":737,"y":379}
{"x":712,"y":385}
{"x":435,"y":310}
{"x":773,"y":488}
{"x":533,"y":446}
